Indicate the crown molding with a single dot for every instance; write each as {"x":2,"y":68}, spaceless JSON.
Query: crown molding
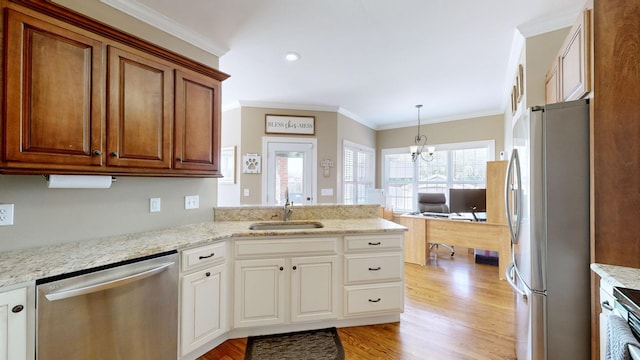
{"x":352,"y":116}
{"x":467,"y":116}
{"x":164,"y":23}
{"x":549,"y":23}
{"x":300,"y":107}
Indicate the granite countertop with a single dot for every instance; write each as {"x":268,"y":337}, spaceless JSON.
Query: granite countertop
{"x":620,"y":276}
{"x":19,"y":266}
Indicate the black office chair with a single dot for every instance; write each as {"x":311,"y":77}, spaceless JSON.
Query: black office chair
{"x":435,"y":203}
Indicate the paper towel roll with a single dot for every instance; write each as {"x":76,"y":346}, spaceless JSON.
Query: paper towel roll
{"x":78,"y":182}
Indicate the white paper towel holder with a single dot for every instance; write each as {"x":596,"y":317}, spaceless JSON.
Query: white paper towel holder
{"x":79,"y":181}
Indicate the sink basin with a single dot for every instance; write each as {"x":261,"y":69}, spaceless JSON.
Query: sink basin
{"x":285,"y":225}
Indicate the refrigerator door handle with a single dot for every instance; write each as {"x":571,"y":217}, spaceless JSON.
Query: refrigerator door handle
{"x":509,"y":274}
{"x":514,"y":163}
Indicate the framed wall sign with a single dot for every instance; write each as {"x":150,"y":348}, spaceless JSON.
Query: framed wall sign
{"x":288,"y":124}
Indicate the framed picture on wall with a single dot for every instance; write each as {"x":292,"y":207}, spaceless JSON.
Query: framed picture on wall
{"x":521,"y":77}
{"x":289,"y":124}
{"x":228,"y":165}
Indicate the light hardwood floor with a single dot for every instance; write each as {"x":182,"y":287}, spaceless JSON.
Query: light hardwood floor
{"x":454,"y":309}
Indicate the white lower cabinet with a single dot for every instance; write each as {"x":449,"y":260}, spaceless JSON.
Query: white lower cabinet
{"x":373,"y":275}
{"x":314,"y":282}
{"x":287,"y":279}
{"x":607,"y":301}
{"x":14,"y":338}
{"x":203,"y":288}
{"x":259,"y":292}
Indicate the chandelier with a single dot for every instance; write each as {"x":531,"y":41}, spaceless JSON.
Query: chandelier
{"x":417,"y":150}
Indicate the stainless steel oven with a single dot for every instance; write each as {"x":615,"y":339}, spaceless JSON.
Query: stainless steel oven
{"x":125,"y":311}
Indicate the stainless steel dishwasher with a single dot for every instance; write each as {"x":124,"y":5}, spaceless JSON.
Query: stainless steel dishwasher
{"x":127,"y":311}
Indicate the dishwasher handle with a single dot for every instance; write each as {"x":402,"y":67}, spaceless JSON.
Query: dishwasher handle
{"x":83,"y":290}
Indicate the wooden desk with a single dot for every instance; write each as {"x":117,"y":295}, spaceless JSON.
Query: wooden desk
{"x":477,"y":235}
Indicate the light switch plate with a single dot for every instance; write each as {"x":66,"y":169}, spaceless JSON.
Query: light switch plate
{"x":6,"y":214}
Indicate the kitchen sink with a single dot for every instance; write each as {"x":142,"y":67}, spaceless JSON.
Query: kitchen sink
{"x":285,"y":225}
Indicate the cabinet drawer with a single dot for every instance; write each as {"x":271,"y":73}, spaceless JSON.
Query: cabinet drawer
{"x":209,"y":254}
{"x":373,"y":242}
{"x":368,"y":268}
{"x":305,"y":246}
{"x":382,"y":298}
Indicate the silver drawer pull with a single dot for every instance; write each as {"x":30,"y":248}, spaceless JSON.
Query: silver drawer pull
{"x":375,"y":269}
{"x":375,"y":243}
{"x":207,"y":256}
{"x":376,"y":300}
{"x":605,"y":305}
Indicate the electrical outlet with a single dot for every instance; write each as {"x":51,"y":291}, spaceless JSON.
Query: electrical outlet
{"x":6,"y":214}
{"x":154,"y":205}
{"x":191,"y":202}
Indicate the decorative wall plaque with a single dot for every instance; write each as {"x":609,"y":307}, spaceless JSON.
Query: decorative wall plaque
{"x":251,"y":164}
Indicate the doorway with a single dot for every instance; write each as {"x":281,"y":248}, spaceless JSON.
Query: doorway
{"x":290,"y":165}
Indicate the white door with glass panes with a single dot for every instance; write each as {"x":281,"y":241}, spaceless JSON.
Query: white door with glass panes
{"x":290,"y":166}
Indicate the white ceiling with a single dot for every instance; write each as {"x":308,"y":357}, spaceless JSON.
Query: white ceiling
{"x":370,"y":59}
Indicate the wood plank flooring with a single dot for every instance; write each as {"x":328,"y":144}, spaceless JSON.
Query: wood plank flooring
{"x":454,"y":309}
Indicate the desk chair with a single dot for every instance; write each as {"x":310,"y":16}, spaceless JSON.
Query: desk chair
{"x":434,"y":202}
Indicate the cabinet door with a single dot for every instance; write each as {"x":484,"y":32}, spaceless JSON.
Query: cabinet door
{"x":13,"y":325}
{"x":197,"y":122}
{"x":552,"y":84}
{"x":314,"y":293}
{"x":140,"y":110}
{"x":259,"y":292}
{"x":574,"y":61}
{"x":203,"y":313}
{"x":54,"y":107}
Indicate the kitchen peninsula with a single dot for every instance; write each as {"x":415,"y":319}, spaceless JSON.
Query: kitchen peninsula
{"x":352,"y":240}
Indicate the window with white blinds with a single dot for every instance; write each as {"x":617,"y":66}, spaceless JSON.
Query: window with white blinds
{"x":460,"y":165}
{"x":358,"y":174}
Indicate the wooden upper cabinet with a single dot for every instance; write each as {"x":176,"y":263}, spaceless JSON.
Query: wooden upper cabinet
{"x":575,"y":75}
{"x":54,"y":107}
{"x":197,"y":123}
{"x":140,"y":110}
{"x":84,"y":98}
{"x":552,"y":84}
{"x":569,"y":76}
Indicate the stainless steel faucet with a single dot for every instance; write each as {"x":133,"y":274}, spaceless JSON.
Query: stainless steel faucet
{"x":288,"y":206}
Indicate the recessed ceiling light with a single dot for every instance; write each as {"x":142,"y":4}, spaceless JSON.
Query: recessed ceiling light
{"x":292,"y":56}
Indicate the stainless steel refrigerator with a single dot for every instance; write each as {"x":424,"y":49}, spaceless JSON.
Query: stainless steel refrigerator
{"x":547,"y":203}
